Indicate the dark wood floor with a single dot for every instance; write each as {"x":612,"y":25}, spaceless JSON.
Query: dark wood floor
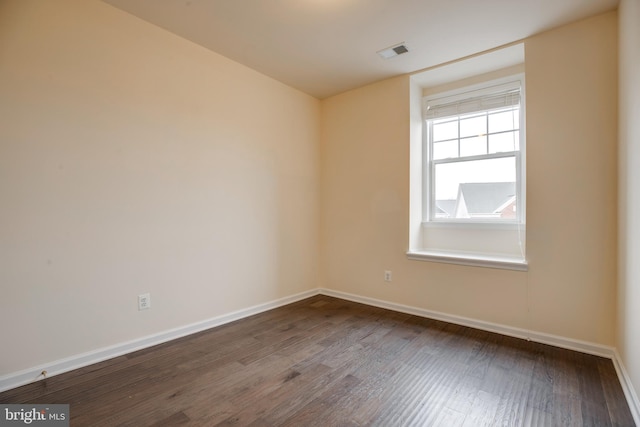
{"x":328,"y":362}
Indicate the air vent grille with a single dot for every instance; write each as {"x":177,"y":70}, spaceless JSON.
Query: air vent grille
{"x":393,"y":51}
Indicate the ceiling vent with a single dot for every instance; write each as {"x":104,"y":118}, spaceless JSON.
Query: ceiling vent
{"x":392,"y":51}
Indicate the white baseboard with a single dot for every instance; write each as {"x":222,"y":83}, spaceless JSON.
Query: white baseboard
{"x":627,"y":387}
{"x":57,"y":367}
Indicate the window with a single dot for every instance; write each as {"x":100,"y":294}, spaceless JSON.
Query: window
{"x":467,"y":198}
{"x":473,"y":156}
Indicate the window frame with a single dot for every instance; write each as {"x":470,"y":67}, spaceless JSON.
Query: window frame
{"x":429,"y":164}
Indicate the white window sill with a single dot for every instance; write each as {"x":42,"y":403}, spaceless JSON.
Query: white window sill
{"x":463,"y":224}
{"x":474,"y":260}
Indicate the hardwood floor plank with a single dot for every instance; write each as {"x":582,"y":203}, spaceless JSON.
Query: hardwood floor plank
{"x":514,"y":394}
{"x":177,"y":419}
{"x":536,"y":418}
{"x":619,"y":411}
{"x":333,"y":406}
{"x":541,"y":390}
{"x":483,"y":410}
{"x":567,"y":411}
{"x":464,"y":393}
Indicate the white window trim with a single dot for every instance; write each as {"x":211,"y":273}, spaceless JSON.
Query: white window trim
{"x":479,"y":89}
{"x":417,"y":251}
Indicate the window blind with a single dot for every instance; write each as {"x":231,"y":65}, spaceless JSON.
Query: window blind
{"x":497,"y":97}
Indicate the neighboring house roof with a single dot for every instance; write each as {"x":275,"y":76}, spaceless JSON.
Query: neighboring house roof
{"x":479,"y":199}
{"x":510,"y":202}
{"x":486,"y":197}
{"x":447,"y":207}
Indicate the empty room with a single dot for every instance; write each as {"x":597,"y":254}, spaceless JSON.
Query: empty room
{"x":320,"y":212}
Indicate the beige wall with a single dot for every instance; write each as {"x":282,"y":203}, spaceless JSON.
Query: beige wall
{"x":134,"y":161}
{"x":571,"y":83}
{"x":572,"y":177}
{"x":629,"y":192}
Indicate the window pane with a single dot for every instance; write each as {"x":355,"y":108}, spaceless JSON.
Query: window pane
{"x":478,"y":189}
{"x":501,"y":142}
{"x":446,"y":130}
{"x":445,"y":150}
{"x":507,"y":120}
{"x":473,"y":146}
{"x":474,"y":126}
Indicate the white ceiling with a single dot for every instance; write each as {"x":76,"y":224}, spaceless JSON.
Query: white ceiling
{"x":324,"y":47}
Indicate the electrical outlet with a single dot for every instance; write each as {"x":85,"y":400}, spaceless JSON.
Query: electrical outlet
{"x":144,"y":301}
{"x":387,"y":275}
